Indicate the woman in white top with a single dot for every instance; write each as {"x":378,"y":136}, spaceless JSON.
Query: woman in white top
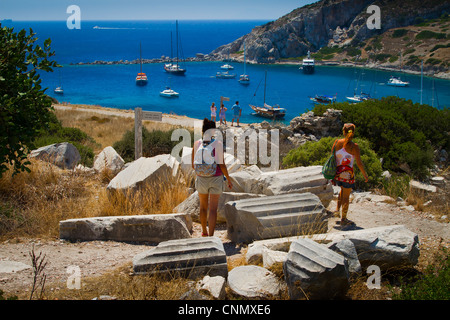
{"x":347,"y":152}
{"x":213,"y":112}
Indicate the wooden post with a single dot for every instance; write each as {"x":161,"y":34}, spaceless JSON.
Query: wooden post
{"x":137,"y":133}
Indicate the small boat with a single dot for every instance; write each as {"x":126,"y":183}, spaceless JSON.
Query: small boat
{"x":59,"y":90}
{"x":397,"y":82}
{"x":169,"y":93}
{"x":244,"y":78}
{"x":141,"y":78}
{"x":323,"y":99}
{"x":308,"y":64}
{"x":227,"y":67}
{"x":171,"y":67}
{"x":272,"y":112}
{"x":359,"y":98}
{"x":225,"y":75}
{"x":267,"y":111}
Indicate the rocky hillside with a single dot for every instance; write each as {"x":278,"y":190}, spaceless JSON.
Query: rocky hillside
{"x":340,"y":25}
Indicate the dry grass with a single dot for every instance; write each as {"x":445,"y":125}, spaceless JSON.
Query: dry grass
{"x":32,"y":204}
{"x":105,"y":129}
{"x":122,"y":284}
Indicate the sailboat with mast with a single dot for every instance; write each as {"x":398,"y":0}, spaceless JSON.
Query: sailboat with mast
{"x":174,"y":68}
{"x":59,"y":89}
{"x":267,"y":111}
{"x":141,"y":78}
{"x":244,"y":78}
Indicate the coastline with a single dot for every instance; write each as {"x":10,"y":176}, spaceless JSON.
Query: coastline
{"x":208,"y":58}
{"x":172,"y":119}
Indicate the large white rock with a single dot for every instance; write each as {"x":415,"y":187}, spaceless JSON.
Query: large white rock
{"x":64,"y":155}
{"x":192,"y":258}
{"x":108,"y":159}
{"x":139,"y":228}
{"x":274,"y":216}
{"x":192,"y":204}
{"x":156,"y":169}
{"x":246,"y":180}
{"x":313,"y":270}
{"x":297,"y":180}
{"x":214,"y":286}
{"x":386,"y":247}
{"x":420,"y":187}
{"x":253,"y":282}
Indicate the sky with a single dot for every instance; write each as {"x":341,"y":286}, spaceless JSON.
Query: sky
{"x":150,"y":9}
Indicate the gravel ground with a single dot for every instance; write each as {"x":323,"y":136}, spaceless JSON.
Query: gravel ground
{"x":97,"y":257}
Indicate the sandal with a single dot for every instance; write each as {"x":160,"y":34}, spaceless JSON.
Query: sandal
{"x":346,"y":222}
{"x":204,"y":234}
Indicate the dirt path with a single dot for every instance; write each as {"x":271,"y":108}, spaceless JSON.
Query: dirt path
{"x":96,"y":257}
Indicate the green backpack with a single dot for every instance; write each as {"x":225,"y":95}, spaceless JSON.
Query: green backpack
{"x":329,"y":168}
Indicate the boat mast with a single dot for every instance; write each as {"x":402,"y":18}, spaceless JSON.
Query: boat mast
{"x":177,"y":39}
{"x":140,"y":55}
{"x":265,"y":80}
{"x":171,"y":47}
{"x":421,"y":82}
{"x":244,"y":59}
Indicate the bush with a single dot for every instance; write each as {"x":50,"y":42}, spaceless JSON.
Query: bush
{"x":400,"y":131}
{"x":426,"y":34}
{"x":353,"y":52}
{"x":24,"y":105}
{"x":434,"y":284}
{"x":399,"y":33}
{"x":56,"y":133}
{"x":153,"y":143}
{"x":316,"y":153}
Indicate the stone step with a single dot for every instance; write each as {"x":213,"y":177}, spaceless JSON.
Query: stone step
{"x":273,"y":216}
{"x":191,"y":258}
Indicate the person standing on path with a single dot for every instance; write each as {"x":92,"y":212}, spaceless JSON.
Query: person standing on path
{"x":222,"y":116}
{"x":347,"y":152}
{"x":208,"y":152}
{"x":213,"y":112}
{"x":237,"y":111}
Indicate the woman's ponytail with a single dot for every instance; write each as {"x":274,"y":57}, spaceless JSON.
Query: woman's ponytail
{"x":349,"y":132}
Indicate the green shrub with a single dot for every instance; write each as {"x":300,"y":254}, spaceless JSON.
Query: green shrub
{"x":396,"y":186}
{"x":426,"y":34}
{"x":400,"y":131}
{"x":392,"y":59}
{"x":316,"y":153}
{"x":399,"y":33}
{"x":433,"y":284}
{"x":353,"y":52}
{"x":56,"y":133}
{"x":382,"y":57}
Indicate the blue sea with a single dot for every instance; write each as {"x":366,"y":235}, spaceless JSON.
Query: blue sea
{"x":114,"y":85}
